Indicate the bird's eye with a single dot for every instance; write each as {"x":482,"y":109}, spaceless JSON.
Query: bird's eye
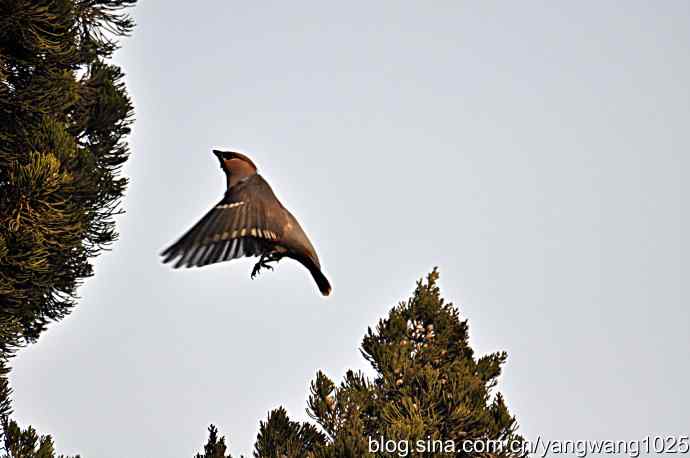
{"x":227,"y":156}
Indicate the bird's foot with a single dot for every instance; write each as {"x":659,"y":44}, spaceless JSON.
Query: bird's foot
{"x":257,"y":268}
{"x":263,"y":262}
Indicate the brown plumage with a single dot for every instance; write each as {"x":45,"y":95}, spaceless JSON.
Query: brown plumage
{"x":249,"y":221}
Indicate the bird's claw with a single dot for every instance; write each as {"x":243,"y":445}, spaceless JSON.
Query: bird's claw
{"x":263,"y":262}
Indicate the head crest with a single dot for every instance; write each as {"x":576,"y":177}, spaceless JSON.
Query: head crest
{"x":225,"y":155}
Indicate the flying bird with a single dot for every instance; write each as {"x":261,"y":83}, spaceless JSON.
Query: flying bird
{"x":248,"y":221}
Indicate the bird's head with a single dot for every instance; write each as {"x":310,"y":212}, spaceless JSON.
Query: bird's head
{"x":236,"y":166}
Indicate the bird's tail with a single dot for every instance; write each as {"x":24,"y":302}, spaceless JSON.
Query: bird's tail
{"x":320,"y":279}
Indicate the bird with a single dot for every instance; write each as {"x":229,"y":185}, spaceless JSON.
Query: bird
{"x":249,"y":221}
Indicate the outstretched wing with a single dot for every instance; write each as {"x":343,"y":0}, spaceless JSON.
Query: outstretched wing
{"x":239,"y":225}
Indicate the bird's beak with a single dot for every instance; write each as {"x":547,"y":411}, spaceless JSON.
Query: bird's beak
{"x":218,"y":154}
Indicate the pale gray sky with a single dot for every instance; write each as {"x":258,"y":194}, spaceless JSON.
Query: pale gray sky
{"x":535,"y":151}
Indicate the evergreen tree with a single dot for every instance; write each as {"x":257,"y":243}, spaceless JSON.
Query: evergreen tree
{"x":279,"y":437}
{"x":64,"y":113}
{"x":430,"y":393}
{"x":27,"y":443}
{"x":10,"y":332}
{"x":64,"y":116}
{"x":214,"y":448}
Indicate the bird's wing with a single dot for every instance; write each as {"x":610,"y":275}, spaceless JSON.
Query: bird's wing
{"x":239,"y":225}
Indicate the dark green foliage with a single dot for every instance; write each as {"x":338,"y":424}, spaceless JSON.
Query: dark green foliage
{"x":281,"y":438}
{"x":428,"y":386}
{"x":214,"y":448}
{"x":64,"y":115}
{"x":27,"y":443}
{"x":10,"y":332}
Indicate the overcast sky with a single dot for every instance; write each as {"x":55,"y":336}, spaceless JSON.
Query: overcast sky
{"x":537,"y":152}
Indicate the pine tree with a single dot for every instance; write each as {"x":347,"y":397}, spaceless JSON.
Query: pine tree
{"x":430,"y":392}
{"x":27,"y":443}
{"x":279,"y":437}
{"x":214,"y":448}
{"x":64,"y":116}
{"x":64,"y":113}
